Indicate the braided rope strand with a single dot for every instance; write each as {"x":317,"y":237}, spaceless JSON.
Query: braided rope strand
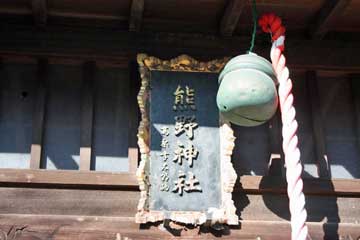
{"x":299,"y":231}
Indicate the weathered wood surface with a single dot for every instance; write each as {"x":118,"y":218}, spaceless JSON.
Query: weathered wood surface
{"x":115,"y":203}
{"x":43,"y":227}
{"x":249,"y":184}
{"x":115,"y":47}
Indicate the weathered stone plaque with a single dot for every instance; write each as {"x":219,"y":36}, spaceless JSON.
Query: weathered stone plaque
{"x":185,"y":174}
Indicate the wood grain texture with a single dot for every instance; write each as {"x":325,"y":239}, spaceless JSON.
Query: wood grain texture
{"x":136,"y":15}
{"x":328,"y":13}
{"x":87,"y":115}
{"x":123,"y":203}
{"x":115,"y":228}
{"x":317,"y":125}
{"x":39,"y":114}
{"x":231,"y":16}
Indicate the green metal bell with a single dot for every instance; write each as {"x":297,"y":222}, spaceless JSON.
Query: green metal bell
{"x":247,"y":93}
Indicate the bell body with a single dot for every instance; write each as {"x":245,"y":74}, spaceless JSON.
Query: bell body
{"x":247,"y":93}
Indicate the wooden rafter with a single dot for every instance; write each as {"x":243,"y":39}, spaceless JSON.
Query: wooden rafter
{"x":231,"y":17}
{"x":136,"y":15}
{"x":327,"y":14}
{"x":39,"y":10}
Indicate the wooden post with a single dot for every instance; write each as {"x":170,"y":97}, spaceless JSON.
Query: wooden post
{"x":87,"y":115}
{"x":355,"y":88}
{"x":134,"y":116}
{"x":39,"y":114}
{"x":277,"y":160}
{"x":317,"y":124}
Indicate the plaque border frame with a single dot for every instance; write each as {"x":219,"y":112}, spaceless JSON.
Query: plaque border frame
{"x":226,"y":214}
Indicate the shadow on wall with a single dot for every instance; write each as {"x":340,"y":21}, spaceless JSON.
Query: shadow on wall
{"x":62,"y":128}
{"x":319,"y":208}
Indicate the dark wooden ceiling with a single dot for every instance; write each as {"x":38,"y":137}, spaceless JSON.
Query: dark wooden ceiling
{"x":311,"y":18}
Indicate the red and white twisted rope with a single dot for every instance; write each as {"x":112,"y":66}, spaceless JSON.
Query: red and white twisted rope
{"x":299,"y":231}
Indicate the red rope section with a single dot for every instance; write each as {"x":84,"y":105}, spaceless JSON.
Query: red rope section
{"x":271,"y":23}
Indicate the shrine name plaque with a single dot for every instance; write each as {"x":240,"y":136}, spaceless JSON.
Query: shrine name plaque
{"x":185,"y":174}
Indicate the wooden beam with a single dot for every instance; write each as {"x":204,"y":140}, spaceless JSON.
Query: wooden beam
{"x":29,"y":226}
{"x":312,"y":186}
{"x":355,"y":88}
{"x":136,"y":15}
{"x":276,"y":162}
{"x":231,"y":17}
{"x":104,"y":180}
{"x":327,"y":14}
{"x":39,"y":114}
{"x":87,"y":115}
{"x":117,"y":46}
{"x":67,"y":178}
{"x":317,"y":125}
{"x":39,"y":10}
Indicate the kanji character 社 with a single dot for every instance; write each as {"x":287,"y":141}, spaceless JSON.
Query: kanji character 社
{"x":192,"y":184}
{"x":179,"y":183}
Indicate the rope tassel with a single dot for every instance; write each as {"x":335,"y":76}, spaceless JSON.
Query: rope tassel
{"x":272,"y":24}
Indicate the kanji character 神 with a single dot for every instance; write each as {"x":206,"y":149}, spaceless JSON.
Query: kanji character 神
{"x":179,"y":153}
{"x":190,"y":154}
